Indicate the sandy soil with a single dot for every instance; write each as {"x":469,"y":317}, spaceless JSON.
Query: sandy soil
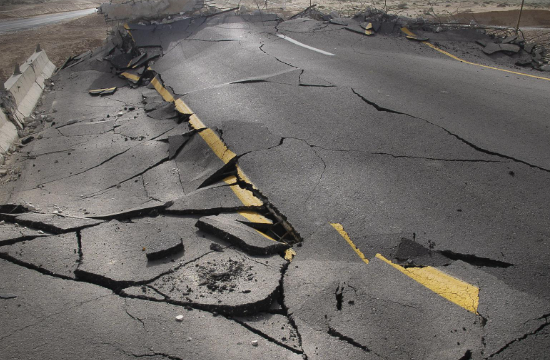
{"x":60,"y":41}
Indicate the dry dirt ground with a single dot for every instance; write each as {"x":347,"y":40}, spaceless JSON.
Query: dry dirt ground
{"x":16,"y":9}
{"x":60,"y":41}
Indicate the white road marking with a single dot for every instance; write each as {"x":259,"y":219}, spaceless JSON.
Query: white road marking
{"x":304,"y":45}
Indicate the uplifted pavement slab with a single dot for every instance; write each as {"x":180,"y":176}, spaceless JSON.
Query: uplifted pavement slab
{"x":58,"y":255}
{"x":241,"y":235}
{"x":12,"y":233}
{"x":209,"y":200}
{"x":197,"y":163}
{"x":276,"y":327}
{"x":226,"y":282}
{"x":54,"y":223}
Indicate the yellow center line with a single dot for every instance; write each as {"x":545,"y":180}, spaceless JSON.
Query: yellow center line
{"x":222,"y":151}
{"x":345,"y":235}
{"x":456,"y":291}
{"x":130,"y":76}
{"x":408,"y":32}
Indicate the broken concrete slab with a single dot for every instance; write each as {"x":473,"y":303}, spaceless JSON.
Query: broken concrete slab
{"x":504,"y":321}
{"x":228,"y":282}
{"x":55,"y":223}
{"x":339,"y":21}
{"x":113,"y":254}
{"x":163,"y":248}
{"x":12,"y":233}
{"x":276,"y":327}
{"x":244,"y":237}
{"x":115,"y":327}
{"x":492,"y":48}
{"x":56,"y":255}
{"x":339,"y":300}
{"x":214,"y":199}
{"x":163,"y":183}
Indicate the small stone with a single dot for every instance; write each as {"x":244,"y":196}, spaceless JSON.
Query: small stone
{"x":180,"y":318}
{"x":254,"y":342}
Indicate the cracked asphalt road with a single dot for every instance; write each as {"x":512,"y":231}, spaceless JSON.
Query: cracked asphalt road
{"x":413,"y":189}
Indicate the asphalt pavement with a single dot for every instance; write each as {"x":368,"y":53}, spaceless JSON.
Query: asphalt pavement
{"x":7,"y":26}
{"x":410,"y":187}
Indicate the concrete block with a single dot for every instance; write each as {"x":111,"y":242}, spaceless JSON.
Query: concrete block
{"x":8,"y":133}
{"x":27,"y":87}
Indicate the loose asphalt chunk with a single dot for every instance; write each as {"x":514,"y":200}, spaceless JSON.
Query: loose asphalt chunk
{"x":12,"y":233}
{"x":56,"y":255}
{"x":54,"y":223}
{"x":163,"y":248}
{"x":243,"y":236}
{"x":227,"y":282}
{"x":211,"y":200}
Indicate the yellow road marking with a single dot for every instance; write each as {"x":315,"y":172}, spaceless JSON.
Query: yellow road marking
{"x":182,"y":107}
{"x":408,"y":32}
{"x":253,"y":216}
{"x":246,"y":196}
{"x":345,"y":235}
{"x":127,"y":27}
{"x":99,"y":91}
{"x":456,"y":291}
{"x":290,"y":254}
{"x":161,"y":90}
{"x":222,"y":151}
{"x":130,"y":76}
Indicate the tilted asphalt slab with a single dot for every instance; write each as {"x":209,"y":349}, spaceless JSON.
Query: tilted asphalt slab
{"x":414,"y":186}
